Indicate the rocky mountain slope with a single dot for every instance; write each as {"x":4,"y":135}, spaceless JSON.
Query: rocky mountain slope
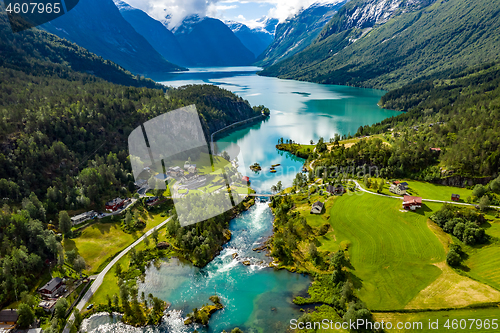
{"x":386,"y":44}
{"x":256,"y":40}
{"x":162,"y":39}
{"x":209,"y":42}
{"x":98,"y":26}
{"x":298,"y":32}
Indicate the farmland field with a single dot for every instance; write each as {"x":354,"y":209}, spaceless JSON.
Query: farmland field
{"x":100,"y":241}
{"x":442,"y":317}
{"x":392,"y":251}
{"x":484,"y":265}
{"x":435,"y":191}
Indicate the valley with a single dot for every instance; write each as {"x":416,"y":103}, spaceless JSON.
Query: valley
{"x":368,"y":205}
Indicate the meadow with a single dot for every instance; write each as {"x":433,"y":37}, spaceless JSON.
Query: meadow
{"x":436,"y":191}
{"x":392,"y":252}
{"x":426,"y":190}
{"x":442,"y":317}
{"x":483,"y":260}
{"x":100,"y":242}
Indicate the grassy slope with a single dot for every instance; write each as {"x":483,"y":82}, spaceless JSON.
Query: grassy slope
{"x":442,"y":316}
{"x":101,"y":241}
{"x":436,"y":191}
{"x":388,"y":249}
{"x":451,"y":289}
{"x":426,"y":190}
{"x":484,"y":262}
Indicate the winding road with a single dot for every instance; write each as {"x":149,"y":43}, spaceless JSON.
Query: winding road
{"x":100,"y":277}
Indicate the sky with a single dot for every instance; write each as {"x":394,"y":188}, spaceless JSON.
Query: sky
{"x":244,"y":11}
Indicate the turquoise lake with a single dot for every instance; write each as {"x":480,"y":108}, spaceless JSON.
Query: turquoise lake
{"x":256,"y":299}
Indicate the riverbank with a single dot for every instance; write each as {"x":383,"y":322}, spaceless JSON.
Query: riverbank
{"x":131,"y":268}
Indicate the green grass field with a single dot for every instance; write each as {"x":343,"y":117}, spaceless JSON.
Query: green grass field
{"x":442,"y":317}
{"x":435,"y":191}
{"x":392,"y":251}
{"x":101,"y":241}
{"x":426,"y":190}
{"x":484,"y":265}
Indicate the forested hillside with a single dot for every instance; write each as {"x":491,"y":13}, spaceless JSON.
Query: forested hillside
{"x":37,"y":52}
{"x":459,"y":115}
{"x":98,"y":26}
{"x":63,"y":141}
{"x":386,"y":44}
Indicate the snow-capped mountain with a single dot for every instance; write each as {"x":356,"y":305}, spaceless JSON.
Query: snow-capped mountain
{"x":256,"y":39}
{"x":162,"y":39}
{"x":298,"y":32}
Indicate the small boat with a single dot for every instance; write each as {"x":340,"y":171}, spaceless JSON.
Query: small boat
{"x":275,"y":165}
{"x":273,"y":171}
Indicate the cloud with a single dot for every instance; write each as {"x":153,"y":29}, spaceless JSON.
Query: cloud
{"x":225,"y":7}
{"x":177,"y":10}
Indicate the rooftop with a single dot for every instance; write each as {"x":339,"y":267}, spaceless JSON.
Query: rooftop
{"x":52,"y":284}
{"x":9,"y":315}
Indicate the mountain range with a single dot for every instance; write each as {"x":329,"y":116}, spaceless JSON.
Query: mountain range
{"x":298,"y":32}
{"x":256,"y":39}
{"x":208,"y":41}
{"x":98,"y":26}
{"x":162,"y":39}
{"x":386,"y":44}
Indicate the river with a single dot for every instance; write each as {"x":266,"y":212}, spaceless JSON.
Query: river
{"x":256,"y":299}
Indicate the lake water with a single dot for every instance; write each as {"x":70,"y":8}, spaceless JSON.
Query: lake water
{"x":300,"y":111}
{"x":256,"y":299}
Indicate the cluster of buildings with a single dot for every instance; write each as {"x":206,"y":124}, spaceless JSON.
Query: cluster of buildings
{"x":317,"y":207}
{"x":178,"y":172}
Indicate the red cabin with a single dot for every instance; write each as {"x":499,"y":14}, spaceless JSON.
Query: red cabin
{"x":412,"y":203}
{"x":455,"y":197}
{"x":115,"y":204}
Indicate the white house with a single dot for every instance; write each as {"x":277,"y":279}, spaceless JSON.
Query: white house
{"x":398,"y":189}
{"x":317,"y":207}
{"x":83,"y":217}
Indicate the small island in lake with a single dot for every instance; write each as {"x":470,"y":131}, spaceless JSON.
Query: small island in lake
{"x":202,"y":315}
{"x":255,"y":167}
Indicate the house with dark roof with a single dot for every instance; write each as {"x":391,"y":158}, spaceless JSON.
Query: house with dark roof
{"x":8,"y":319}
{"x":336,"y":190}
{"x":398,"y":188}
{"x":455,"y":197}
{"x":52,"y":288}
{"x":317,"y":207}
